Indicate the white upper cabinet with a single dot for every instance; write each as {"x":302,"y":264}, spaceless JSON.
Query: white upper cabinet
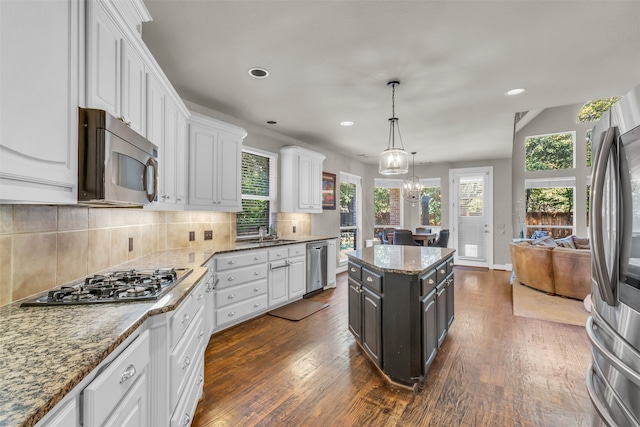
{"x":301,"y":180}
{"x":133,"y":89}
{"x":39,"y":86}
{"x":215,"y":165}
{"x":155,"y":110}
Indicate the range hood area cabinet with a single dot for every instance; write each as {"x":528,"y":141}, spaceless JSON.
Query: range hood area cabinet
{"x":215,"y":165}
{"x":40,"y":70}
{"x":300,"y":180}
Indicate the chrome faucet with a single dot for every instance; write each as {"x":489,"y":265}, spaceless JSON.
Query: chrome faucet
{"x":262,"y":232}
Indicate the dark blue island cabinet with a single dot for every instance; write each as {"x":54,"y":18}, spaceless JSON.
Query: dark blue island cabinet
{"x":401,"y":305}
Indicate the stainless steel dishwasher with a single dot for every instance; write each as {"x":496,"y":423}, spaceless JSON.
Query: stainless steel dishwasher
{"x":316,"y":266}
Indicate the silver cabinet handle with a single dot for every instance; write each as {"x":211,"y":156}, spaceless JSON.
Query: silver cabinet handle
{"x":185,"y":318}
{"x":256,"y":258}
{"x":186,"y":362}
{"x":256,"y":305}
{"x":231,"y":279}
{"x":233,"y":313}
{"x":200,"y":296}
{"x":231,"y":262}
{"x":430,"y":281}
{"x":443,"y":271}
{"x":369,"y":279}
{"x":200,"y":379}
{"x":128,"y":373}
{"x":187,"y":420}
{"x":353,"y":269}
{"x":232,"y":296}
{"x":256,"y":289}
{"x":256,"y":273}
{"x":200,"y":334}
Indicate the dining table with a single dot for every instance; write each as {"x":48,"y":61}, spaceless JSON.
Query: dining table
{"x":421,"y":237}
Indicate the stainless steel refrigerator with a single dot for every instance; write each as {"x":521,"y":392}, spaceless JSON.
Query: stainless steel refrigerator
{"x":613,"y":377}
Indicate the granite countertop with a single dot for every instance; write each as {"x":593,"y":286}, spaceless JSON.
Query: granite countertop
{"x":46,"y":351}
{"x":401,"y":259}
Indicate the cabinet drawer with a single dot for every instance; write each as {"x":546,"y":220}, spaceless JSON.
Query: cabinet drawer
{"x":355,"y":271}
{"x":240,"y":293}
{"x":237,"y":311}
{"x":441,"y":272}
{"x":183,"y":358}
{"x":241,"y":275}
{"x":297,"y":250}
{"x":182,"y":317}
{"x":226,"y":262}
{"x":428,"y":282}
{"x":372,"y":279}
{"x":278,"y":253}
{"x":104,"y":393}
{"x":449,"y":265}
{"x":183,"y":414}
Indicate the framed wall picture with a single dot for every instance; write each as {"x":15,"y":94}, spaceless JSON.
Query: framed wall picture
{"x":328,"y":190}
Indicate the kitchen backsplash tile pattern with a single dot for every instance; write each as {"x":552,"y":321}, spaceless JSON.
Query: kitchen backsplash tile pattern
{"x":45,"y":246}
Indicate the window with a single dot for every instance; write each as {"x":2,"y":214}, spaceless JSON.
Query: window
{"x":549,"y":152}
{"x":349,"y":213}
{"x":549,"y":206}
{"x":593,"y":110}
{"x":431,"y":206}
{"x":258,"y":191}
{"x":588,"y":137}
{"x":387,"y":202}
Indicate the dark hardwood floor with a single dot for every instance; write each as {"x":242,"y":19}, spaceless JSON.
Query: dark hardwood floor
{"x":493,"y":369}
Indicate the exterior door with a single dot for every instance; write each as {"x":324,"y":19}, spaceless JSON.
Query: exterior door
{"x":472,"y":215}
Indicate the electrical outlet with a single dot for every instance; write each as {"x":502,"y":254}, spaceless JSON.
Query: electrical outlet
{"x":294,"y":228}
{"x":130,"y":244}
{"x":208,"y":234}
{"x":192,"y":236}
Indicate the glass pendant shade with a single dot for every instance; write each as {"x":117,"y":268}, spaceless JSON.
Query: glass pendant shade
{"x":412,"y":187}
{"x":393,"y":161}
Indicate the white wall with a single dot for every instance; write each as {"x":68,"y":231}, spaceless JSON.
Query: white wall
{"x":554,"y":120}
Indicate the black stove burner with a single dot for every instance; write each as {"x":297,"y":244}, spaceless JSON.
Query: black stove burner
{"x":117,"y":286}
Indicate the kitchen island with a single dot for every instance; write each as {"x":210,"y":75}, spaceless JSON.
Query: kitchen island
{"x":401,"y":307}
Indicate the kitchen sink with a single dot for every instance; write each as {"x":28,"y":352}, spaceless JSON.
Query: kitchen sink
{"x":265,"y":243}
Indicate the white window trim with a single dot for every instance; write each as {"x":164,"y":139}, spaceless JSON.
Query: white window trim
{"x":430,"y":183}
{"x":555,"y":182}
{"x":357,"y":180}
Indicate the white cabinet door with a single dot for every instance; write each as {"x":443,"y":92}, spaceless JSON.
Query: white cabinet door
{"x":304,"y":183}
{"x":133,"y":409}
{"x":133,"y":106}
{"x":315,"y":187}
{"x":39,"y":100}
{"x":103,"y":62}
{"x":278,"y":283}
{"x":181,"y":159}
{"x":215,"y":161}
{"x":301,"y":180}
{"x":228,"y":163}
{"x":297,"y":277}
{"x":168,"y":154}
{"x":155,"y":110}
{"x":64,"y":417}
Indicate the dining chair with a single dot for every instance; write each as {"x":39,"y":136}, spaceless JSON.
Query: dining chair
{"x":442,"y":240}
{"x":404,"y":237}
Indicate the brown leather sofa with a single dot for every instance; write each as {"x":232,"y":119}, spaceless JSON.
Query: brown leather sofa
{"x":555,"y":270}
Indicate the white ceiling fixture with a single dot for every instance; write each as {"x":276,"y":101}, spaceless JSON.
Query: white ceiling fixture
{"x":412,"y":187}
{"x":516,"y":91}
{"x":346,"y":123}
{"x":393,"y":160}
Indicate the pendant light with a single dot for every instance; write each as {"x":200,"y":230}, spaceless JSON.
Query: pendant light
{"x":393,"y":160}
{"x":412,"y":187}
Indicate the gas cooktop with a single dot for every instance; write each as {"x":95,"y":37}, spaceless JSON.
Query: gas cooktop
{"x":117,"y":286}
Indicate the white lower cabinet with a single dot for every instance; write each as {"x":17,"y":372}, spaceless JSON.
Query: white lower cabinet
{"x":66,"y":416}
{"x":120,"y":392}
{"x":287,"y":274}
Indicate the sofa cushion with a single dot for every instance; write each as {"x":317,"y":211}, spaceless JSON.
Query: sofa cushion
{"x":532,"y":266}
{"x":572,"y":272}
{"x":581,"y":242}
{"x":566,"y":242}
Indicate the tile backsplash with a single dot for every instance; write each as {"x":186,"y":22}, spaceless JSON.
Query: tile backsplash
{"x":45,"y":246}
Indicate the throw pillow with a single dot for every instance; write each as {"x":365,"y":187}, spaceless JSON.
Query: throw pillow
{"x":566,"y":242}
{"x":545,"y":241}
{"x":581,"y":242}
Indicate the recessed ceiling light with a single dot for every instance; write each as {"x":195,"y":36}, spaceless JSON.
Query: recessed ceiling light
{"x":517,"y":91}
{"x":258,"y":73}
{"x":346,"y":123}
{"x":271,"y":122}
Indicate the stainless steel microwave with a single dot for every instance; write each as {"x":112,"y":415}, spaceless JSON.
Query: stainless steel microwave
{"x":116,"y":165}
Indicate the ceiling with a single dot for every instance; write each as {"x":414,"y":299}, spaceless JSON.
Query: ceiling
{"x":330,"y":61}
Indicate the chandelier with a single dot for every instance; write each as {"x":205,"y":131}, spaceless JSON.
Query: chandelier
{"x":393,"y":160}
{"x":412,"y":187}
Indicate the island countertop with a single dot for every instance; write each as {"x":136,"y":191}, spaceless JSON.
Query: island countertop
{"x":401,"y":259}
